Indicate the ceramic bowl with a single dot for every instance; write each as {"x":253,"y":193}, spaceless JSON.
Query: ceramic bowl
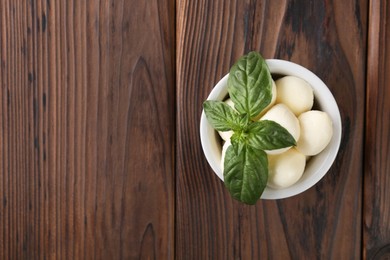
{"x":317,"y":166}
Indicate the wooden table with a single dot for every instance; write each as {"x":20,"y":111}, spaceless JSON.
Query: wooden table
{"x":100,"y":154}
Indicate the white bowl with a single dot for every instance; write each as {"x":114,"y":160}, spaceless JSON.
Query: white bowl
{"x":317,"y":166}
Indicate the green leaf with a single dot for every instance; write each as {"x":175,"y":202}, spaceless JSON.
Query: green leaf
{"x":269,"y":135}
{"x":245,"y":172}
{"x":238,"y":137}
{"x":222,"y":117}
{"x":250,"y":84}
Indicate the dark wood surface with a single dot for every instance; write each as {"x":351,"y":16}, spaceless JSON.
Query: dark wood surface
{"x":100,"y":155}
{"x":87,"y":129}
{"x":377,"y":144}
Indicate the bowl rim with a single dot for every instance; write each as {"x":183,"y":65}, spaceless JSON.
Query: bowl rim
{"x":322,"y":95}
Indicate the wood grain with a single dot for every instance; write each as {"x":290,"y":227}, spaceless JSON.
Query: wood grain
{"x":87,"y":129}
{"x":100,"y":154}
{"x":377,"y":141}
{"x":325,"y":221}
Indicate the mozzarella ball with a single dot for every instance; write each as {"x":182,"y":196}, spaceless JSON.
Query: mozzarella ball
{"x":282,"y":115}
{"x":285,"y":169}
{"x":273,"y":100}
{"x":296,"y":93}
{"x":226,"y":135}
{"x":224,"y":148}
{"x":316,"y":132}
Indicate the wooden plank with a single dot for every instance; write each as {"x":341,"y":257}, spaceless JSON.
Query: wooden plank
{"x":377,"y":142}
{"x":87,"y":129}
{"x":329,"y":38}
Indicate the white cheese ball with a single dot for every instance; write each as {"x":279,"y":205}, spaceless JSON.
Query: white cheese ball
{"x":273,"y":101}
{"x":296,"y":93}
{"x":282,"y":115}
{"x":285,"y":169}
{"x":224,"y":148}
{"x":316,"y":132}
{"x":226,"y":135}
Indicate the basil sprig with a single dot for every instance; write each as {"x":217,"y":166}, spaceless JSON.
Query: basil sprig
{"x":246,"y":164}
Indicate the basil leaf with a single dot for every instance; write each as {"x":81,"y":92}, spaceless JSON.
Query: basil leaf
{"x":250,"y":84}
{"x":221,"y":116}
{"x":245,"y":172}
{"x":269,"y":135}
